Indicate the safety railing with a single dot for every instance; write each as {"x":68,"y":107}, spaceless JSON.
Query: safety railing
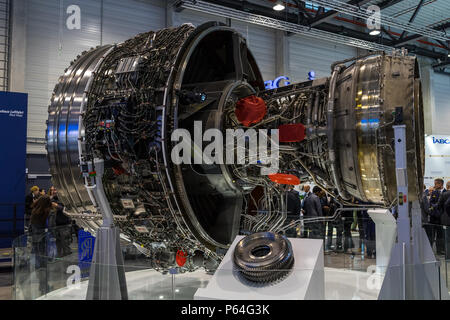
{"x":55,"y":264}
{"x":11,"y":222}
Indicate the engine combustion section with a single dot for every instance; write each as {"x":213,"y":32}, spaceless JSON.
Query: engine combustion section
{"x":122,"y":104}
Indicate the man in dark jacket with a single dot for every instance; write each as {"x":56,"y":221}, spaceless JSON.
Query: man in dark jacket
{"x":337,"y":223}
{"x":369,"y":234}
{"x":29,"y":200}
{"x":444,"y":208}
{"x":313,"y":209}
{"x":426,"y":212}
{"x":293,"y":210}
{"x":437,"y":233}
{"x":62,"y":229}
{"x":347,"y":220}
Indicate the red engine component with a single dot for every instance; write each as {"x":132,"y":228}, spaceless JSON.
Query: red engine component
{"x":293,"y":132}
{"x":250,"y":110}
{"x":181,"y":258}
{"x":284,"y":178}
{"x":118,"y":170}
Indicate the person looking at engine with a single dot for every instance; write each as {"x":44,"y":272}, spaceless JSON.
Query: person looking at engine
{"x":347,"y":220}
{"x":293,"y":209}
{"x":42,"y":208}
{"x":29,"y":200}
{"x":62,"y":230}
{"x":444,"y":208}
{"x":53,"y":193}
{"x":313,"y":209}
{"x":307,"y":191}
{"x":335,"y":223}
{"x":437,"y":234}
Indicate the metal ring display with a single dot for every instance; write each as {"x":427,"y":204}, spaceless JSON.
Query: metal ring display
{"x":263,"y":257}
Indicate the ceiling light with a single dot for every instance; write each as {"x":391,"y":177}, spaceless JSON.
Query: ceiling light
{"x":279,"y":6}
{"x":374,"y":32}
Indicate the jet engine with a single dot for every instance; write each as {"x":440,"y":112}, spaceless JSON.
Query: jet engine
{"x":122,"y":104}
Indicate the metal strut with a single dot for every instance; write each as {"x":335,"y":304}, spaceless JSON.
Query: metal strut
{"x":413,"y":271}
{"x":107,"y":275}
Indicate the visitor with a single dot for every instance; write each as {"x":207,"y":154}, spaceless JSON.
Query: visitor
{"x":305,"y":193}
{"x":347,"y":217}
{"x":313,"y":209}
{"x":53,"y":193}
{"x":426,"y":212}
{"x":62,"y":230}
{"x":369,"y":233}
{"x":293,"y":209}
{"x":437,"y":234}
{"x":444,"y":208}
{"x":29,"y":200}
{"x":337,"y":224}
{"x":42,"y":208}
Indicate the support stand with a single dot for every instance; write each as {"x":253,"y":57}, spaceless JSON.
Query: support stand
{"x":386,"y":231}
{"x":107,"y":275}
{"x":413,"y":271}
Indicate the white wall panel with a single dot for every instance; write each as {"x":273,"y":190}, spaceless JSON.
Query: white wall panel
{"x":124,"y":19}
{"x":307,"y":54}
{"x":194,"y":17}
{"x":441,"y":91}
{"x":437,"y":158}
{"x":51,"y":46}
{"x":261,"y":42}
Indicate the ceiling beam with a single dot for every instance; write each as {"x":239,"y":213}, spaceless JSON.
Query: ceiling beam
{"x":387,"y":33}
{"x":387,"y":3}
{"x":418,"y":36}
{"x":400,"y":42}
{"x":333,"y":13}
{"x":442,"y":64}
{"x":293,"y":18}
{"x":303,"y":13}
{"x":442,"y":72}
{"x":386,"y":20}
{"x":425,"y":52}
{"x":446,"y":45}
{"x":416,"y":11}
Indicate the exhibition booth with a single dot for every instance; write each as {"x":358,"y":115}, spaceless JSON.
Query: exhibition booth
{"x":180,"y":171}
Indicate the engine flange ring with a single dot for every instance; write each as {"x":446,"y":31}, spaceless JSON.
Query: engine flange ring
{"x":263,"y":257}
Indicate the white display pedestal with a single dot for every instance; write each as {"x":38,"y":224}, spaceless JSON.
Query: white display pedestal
{"x":305,"y":282}
{"x":385,"y":234}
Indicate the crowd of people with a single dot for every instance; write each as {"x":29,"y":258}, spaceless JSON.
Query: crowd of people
{"x":44,"y":211}
{"x":316,"y":203}
{"x":436,"y":215}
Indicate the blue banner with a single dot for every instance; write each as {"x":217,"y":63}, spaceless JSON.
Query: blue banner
{"x":13,"y":133}
{"x":86,"y":244}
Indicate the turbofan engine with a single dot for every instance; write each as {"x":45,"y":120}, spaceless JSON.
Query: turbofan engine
{"x":123,"y":104}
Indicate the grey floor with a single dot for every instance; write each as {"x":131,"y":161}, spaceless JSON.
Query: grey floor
{"x":331,"y":259}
